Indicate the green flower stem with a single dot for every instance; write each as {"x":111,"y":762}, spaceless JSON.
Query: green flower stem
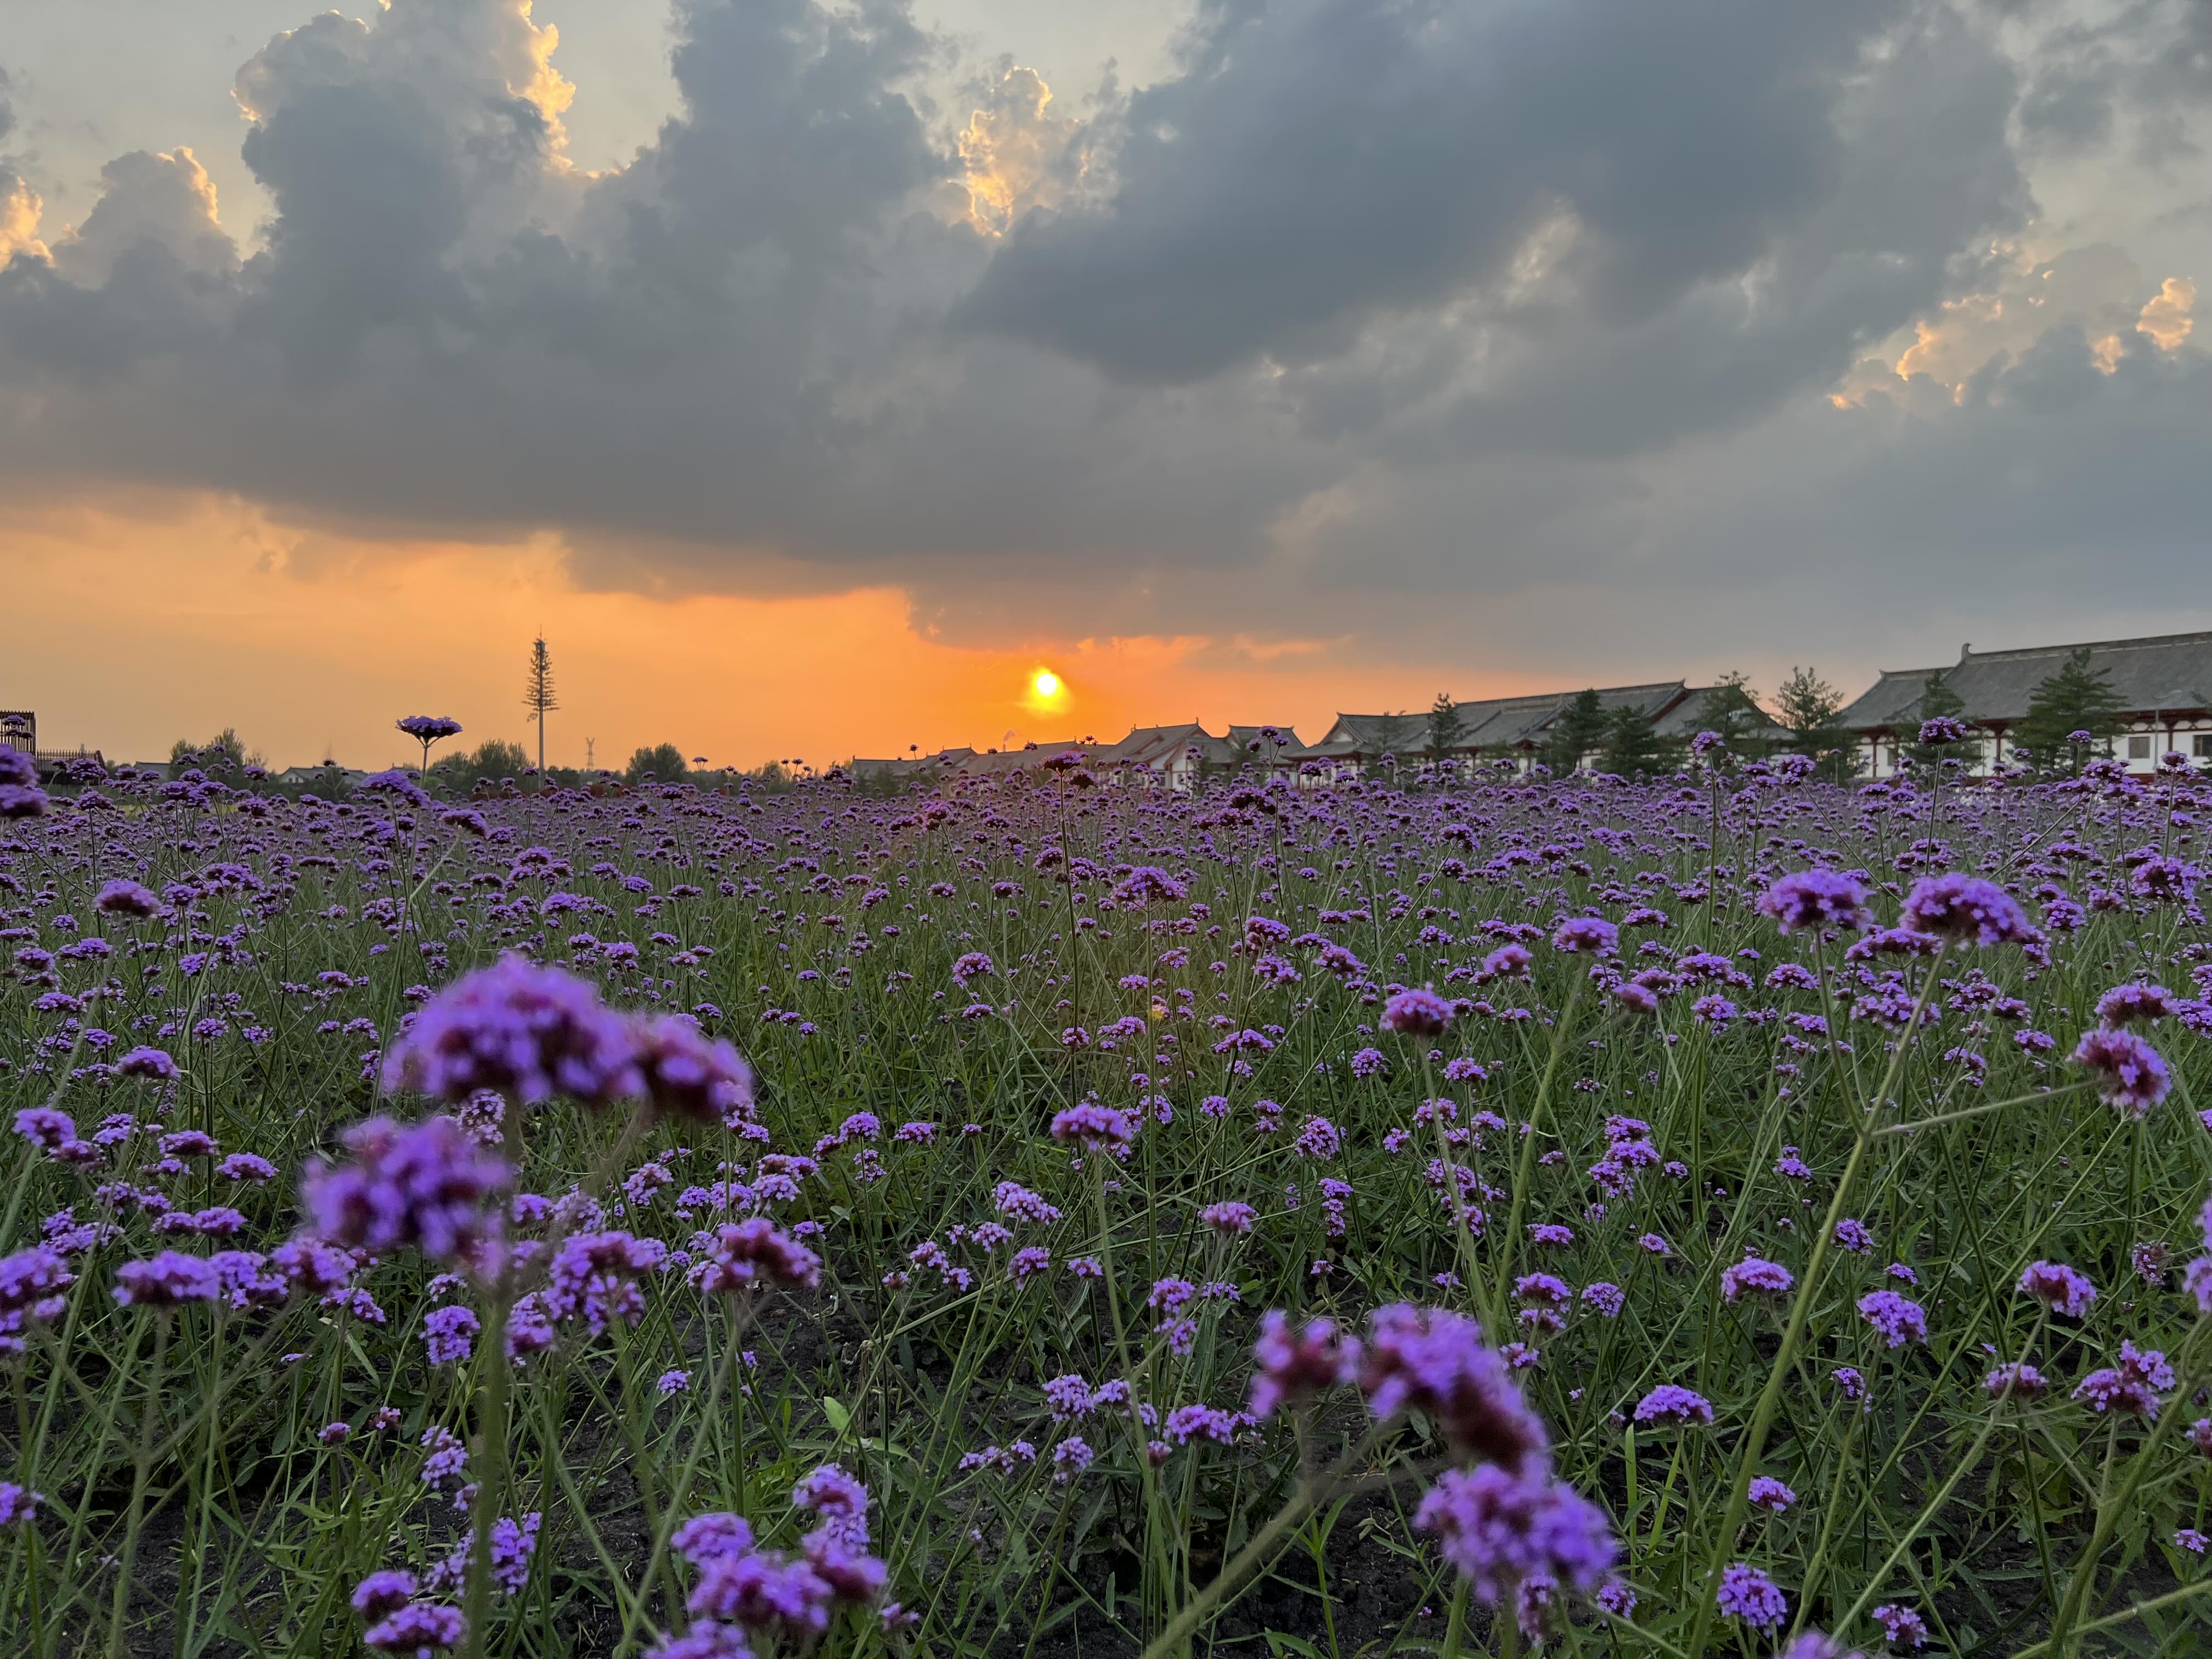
{"x":1801,"y":1309}
{"x":143,"y":1462}
{"x":1524,"y":1176}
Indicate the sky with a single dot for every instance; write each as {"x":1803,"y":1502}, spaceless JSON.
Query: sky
{"x":814,"y":376}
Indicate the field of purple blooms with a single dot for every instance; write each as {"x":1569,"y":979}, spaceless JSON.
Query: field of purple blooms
{"x":1731,"y":1214}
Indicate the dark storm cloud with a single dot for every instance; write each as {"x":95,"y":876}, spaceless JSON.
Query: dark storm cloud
{"x":1320,"y":161}
{"x":1383,"y":298}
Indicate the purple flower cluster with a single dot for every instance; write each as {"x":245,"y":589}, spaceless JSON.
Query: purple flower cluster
{"x":747,"y":1591}
{"x":1434,"y":1362}
{"x":1812,"y":901}
{"x":1967,"y":910}
{"x":1296,"y":1364}
{"x":2129,"y":1073}
{"x":1504,"y":1526}
{"x":520,"y":1030}
{"x":427,"y":1185}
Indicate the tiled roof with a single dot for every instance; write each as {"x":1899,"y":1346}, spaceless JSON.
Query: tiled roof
{"x":1687,"y":717}
{"x":1013,"y":760}
{"x":907,"y":766}
{"x":1241,"y":735}
{"x":2166,"y":673}
{"x":1489,"y":722}
{"x":1159,"y":746}
{"x":2171,"y":672}
{"x":1890,"y":702}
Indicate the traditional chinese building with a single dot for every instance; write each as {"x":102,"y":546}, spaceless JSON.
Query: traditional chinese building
{"x":2164,"y":682}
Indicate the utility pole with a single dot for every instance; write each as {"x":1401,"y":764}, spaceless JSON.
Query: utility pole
{"x":590,"y":752}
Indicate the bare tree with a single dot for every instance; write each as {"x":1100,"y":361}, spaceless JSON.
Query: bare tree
{"x":537,"y":694}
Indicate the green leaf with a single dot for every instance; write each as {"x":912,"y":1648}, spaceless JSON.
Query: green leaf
{"x":840,"y":1419}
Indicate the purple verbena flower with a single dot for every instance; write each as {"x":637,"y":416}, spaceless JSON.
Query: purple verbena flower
{"x":524,"y":1031}
{"x":1670,"y":1403}
{"x":1901,"y":1626}
{"x":1749,"y":1594}
{"x":2058,"y":1287}
{"x":1416,"y":1012}
{"x":168,"y":1281}
{"x":1967,"y":909}
{"x":1436,"y":1362}
{"x":1899,"y":1320}
{"x":1501,"y":1527}
{"x":1757,"y":1277}
{"x":2130,"y":1074}
{"x":1296,"y":1364}
{"x":425,"y":1184}
{"x":1816,"y":900}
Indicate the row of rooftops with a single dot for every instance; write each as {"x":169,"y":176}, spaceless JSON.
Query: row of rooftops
{"x":1489,"y":726}
{"x":2165,"y":679}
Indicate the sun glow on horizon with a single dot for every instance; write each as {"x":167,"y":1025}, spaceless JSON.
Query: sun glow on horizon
{"x":1047,"y":685}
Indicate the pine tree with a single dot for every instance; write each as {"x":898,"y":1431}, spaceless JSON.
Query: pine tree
{"x":1806,"y":707}
{"x":1393,"y":733}
{"x":1634,"y":747}
{"x":1731,"y":708}
{"x":1576,"y":729}
{"x":2077,"y":698}
{"x":1446,"y":729}
{"x":537,"y":694}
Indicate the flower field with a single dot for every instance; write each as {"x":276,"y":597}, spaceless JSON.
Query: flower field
{"x":1734,"y":1214}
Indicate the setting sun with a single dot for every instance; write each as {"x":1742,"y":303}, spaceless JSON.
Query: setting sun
{"x":1046,"y":683}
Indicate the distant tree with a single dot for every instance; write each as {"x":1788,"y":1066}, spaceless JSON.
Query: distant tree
{"x":223,"y":752}
{"x":1730,"y":708}
{"x":1937,"y":697}
{"x":1447,"y":731}
{"x":1634,"y":747}
{"x":537,"y":693}
{"x":495,"y":760}
{"x":664,"y":763}
{"x":1395,"y":734}
{"x":1806,"y":707}
{"x":1579,"y":727}
{"x":2077,"y":698}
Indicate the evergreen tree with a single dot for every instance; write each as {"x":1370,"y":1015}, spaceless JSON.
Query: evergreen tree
{"x":537,"y":693}
{"x":1394,"y":734}
{"x":1576,"y":729}
{"x":1634,"y":747}
{"x":1937,"y":697}
{"x":1731,"y":708}
{"x":1806,"y":707}
{"x":1447,"y":731}
{"x":2077,"y":698}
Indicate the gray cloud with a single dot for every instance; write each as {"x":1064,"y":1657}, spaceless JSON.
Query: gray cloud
{"x":19,"y":203}
{"x":1365,"y":301}
{"x":1320,"y":163}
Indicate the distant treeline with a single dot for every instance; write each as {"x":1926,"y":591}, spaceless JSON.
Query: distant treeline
{"x":495,"y":764}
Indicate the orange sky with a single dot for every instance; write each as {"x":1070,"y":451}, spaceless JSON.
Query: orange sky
{"x":174,"y":617}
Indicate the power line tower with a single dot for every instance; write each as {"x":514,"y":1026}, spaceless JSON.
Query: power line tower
{"x":537,"y":694}
{"x":591,"y":754}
